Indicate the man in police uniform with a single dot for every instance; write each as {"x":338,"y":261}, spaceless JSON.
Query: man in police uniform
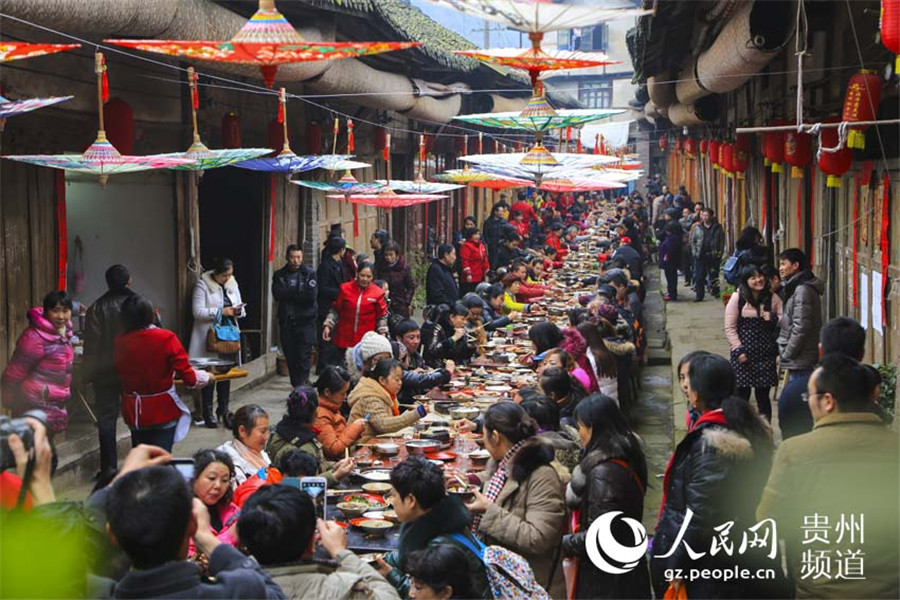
{"x":294,"y":288}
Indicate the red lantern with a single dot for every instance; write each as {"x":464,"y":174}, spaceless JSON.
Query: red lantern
{"x":231,"y":131}
{"x":726,"y":157}
{"x":741,"y":155}
{"x":314,"y":137}
{"x":679,"y":145}
{"x":773,"y":146}
{"x":380,"y":139}
{"x":663,"y":143}
{"x":119,"y":123}
{"x":276,"y":135}
{"x":704,"y":146}
{"x":714,"y":153}
{"x":890,"y":28}
{"x":429,"y":143}
{"x":797,"y":152}
{"x":833,"y":164}
{"x":690,"y":147}
{"x":861,"y":104}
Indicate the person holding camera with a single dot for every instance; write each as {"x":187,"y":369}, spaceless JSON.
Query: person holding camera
{"x":25,"y":446}
{"x":39,"y":374}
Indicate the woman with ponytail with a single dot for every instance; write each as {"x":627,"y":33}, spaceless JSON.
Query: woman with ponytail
{"x":522,"y":506}
{"x":718,"y":471}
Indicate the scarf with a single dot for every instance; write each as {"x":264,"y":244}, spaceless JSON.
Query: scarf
{"x":711,"y":416}
{"x":250,"y":455}
{"x":498,"y":480}
{"x":290,"y":428}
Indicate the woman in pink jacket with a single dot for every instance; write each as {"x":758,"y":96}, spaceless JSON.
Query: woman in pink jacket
{"x":213,"y":472}
{"x":473,"y":261}
{"x":40,"y":372}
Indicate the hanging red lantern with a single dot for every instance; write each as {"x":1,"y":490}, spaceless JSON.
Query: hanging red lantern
{"x":429,"y":143}
{"x":861,"y":104}
{"x":890,"y":28}
{"x":119,"y":122}
{"x":663,"y":143}
{"x":726,"y":157}
{"x":231,"y":130}
{"x":704,"y":146}
{"x":275,"y":135}
{"x":741,"y":154}
{"x":773,"y":146}
{"x":833,"y":164}
{"x":714,"y":153}
{"x":380,"y":137}
{"x":314,"y":137}
{"x":679,"y":145}
{"x":690,"y":147}
{"x":797,"y":152}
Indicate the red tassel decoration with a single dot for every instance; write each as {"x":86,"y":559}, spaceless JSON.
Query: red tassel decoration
{"x":351,"y":139}
{"x":885,"y":240}
{"x":386,"y":153}
{"x":856,"y":242}
{"x":195,"y":97}
{"x":355,"y":220}
{"x":596,"y":143}
{"x":281,"y":101}
{"x":105,"y":79}
{"x":568,"y":136}
{"x":578,"y":145}
{"x":421,"y":151}
{"x":61,"y":230}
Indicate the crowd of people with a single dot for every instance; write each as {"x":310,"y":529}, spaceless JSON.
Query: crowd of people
{"x":564,"y":451}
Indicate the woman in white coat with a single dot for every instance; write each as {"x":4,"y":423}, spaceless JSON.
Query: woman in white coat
{"x":216,"y":293}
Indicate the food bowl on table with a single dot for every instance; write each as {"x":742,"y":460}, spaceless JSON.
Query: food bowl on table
{"x":377,"y":487}
{"x":376,"y":527}
{"x":216,"y":366}
{"x":376,"y":474}
{"x":353,"y":509}
{"x":479,"y":456}
{"x":442,"y":436}
{"x":444,"y":406}
{"x":479,"y":440}
{"x":422,"y":447}
{"x":386,"y":449}
{"x":465,"y":493}
{"x":465,"y":412}
{"x":389,"y":514}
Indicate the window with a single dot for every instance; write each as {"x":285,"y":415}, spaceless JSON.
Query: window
{"x":564,"y":39}
{"x":594,"y":39}
{"x":595,"y":94}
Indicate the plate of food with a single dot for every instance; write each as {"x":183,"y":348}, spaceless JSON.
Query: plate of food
{"x":369,"y":499}
{"x":498,"y":388}
{"x":444,"y":456}
{"x":376,"y":474}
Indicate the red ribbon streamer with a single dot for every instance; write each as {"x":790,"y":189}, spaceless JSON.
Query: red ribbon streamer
{"x":272,"y":219}
{"x":386,"y":152}
{"x":812,"y":228}
{"x":421,"y":151}
{"x":885,"y":239}
{"x":596,"y":143}
{"x":351,"y":139}
{"x":578,"y":145}
{"x":856,"y":241}
{"x":800,"y":213}
{"x":195,"y":96}
{"x":355,"y":220}
{"x":104,"y":86}
{"x":765,"y":202}
{"x":61,"y":230}
{"x":281,"y":100}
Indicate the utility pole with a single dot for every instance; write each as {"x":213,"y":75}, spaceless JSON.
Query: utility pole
{"x":487,"y":34}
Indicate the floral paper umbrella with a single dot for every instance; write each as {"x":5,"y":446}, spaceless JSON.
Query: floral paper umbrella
{"x":286,"y":161}
{"x":420,"y":186}
{"x":538,"y":116}
{"x":101,"y":157}
{"x":388,"y":199}
{"x":341,"y":187}
{"x":518,"y":160}
{"x":10,"y":51}
{"x":547,"y":15}
{"x":267,"y":40}
{"x":10,"y":108}
{"x":203,"y":158}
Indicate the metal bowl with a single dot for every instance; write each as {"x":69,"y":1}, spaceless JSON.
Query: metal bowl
{"x":216,"y":366}
{"x":353,"y":509}
{"x":466,"y":494}
{"x":376,"y":487}
{"x":443,"y":407}
{"x":422,"y":447}
{"x":386,"y":449}
{"x":464,"y":412}
{"x":376,"y":527}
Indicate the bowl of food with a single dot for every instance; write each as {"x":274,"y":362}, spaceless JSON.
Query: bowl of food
{"x":386,"y":449}
{"x":479,"y":456}
{"x":422,"y":447}
{"x":377,"y":487}
{"x":375,"y":527}
{"x":465,"y":412}
{"x":353,"y":509}
{"x":466,"y":493}
{"x":390,"y":514}
{"x":443,"y":406}
{"x":376,"y":474}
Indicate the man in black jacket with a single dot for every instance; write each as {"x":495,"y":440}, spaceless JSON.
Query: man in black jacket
{"x":440,"y":285}
{"x":329,"y":278}
{"x":101,"y":326}
{"x":294,"y":287}
{"x":493,"y":233}
{"x":417,"y":377}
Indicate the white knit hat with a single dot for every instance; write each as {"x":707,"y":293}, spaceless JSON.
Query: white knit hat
{"x":373,"y":343}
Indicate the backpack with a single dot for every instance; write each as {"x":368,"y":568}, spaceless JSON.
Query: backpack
{"x":509,"y":575}
{"x":732,"y":268}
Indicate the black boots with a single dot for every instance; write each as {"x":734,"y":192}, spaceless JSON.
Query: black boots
{"x":209,"y":419}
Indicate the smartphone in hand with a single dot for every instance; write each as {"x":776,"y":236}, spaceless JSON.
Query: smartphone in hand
{"x":315,"y":487}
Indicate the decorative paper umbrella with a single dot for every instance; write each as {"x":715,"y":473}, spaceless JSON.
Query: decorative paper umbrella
{"x":10,"y":108}
{"x":538,"y":116}
{"x":346,"y":165}
{"x":419,"y":185}
{"x":547,"y":15}
{"x":267,"y":40}
{"x":520,"y":161}
{"x":101,"y":157}
{"x":286,"y":161}
{"x":203,"y":158}
{"x":388,"y":199}
{"x":342,"y":187}
{"x":10,"y":51}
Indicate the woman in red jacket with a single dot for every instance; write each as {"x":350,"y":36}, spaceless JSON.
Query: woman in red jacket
{"x":474,"y":261}
{"x":360,"y":307}
{"x":146,"y":359}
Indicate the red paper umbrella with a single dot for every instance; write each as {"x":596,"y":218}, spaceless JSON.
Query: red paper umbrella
{"x":15,"y":50}
{"x":387,"y":200}
{"x":267,"y":40}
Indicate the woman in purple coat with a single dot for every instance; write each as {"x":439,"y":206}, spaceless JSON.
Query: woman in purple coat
{"x":40,"y":372}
